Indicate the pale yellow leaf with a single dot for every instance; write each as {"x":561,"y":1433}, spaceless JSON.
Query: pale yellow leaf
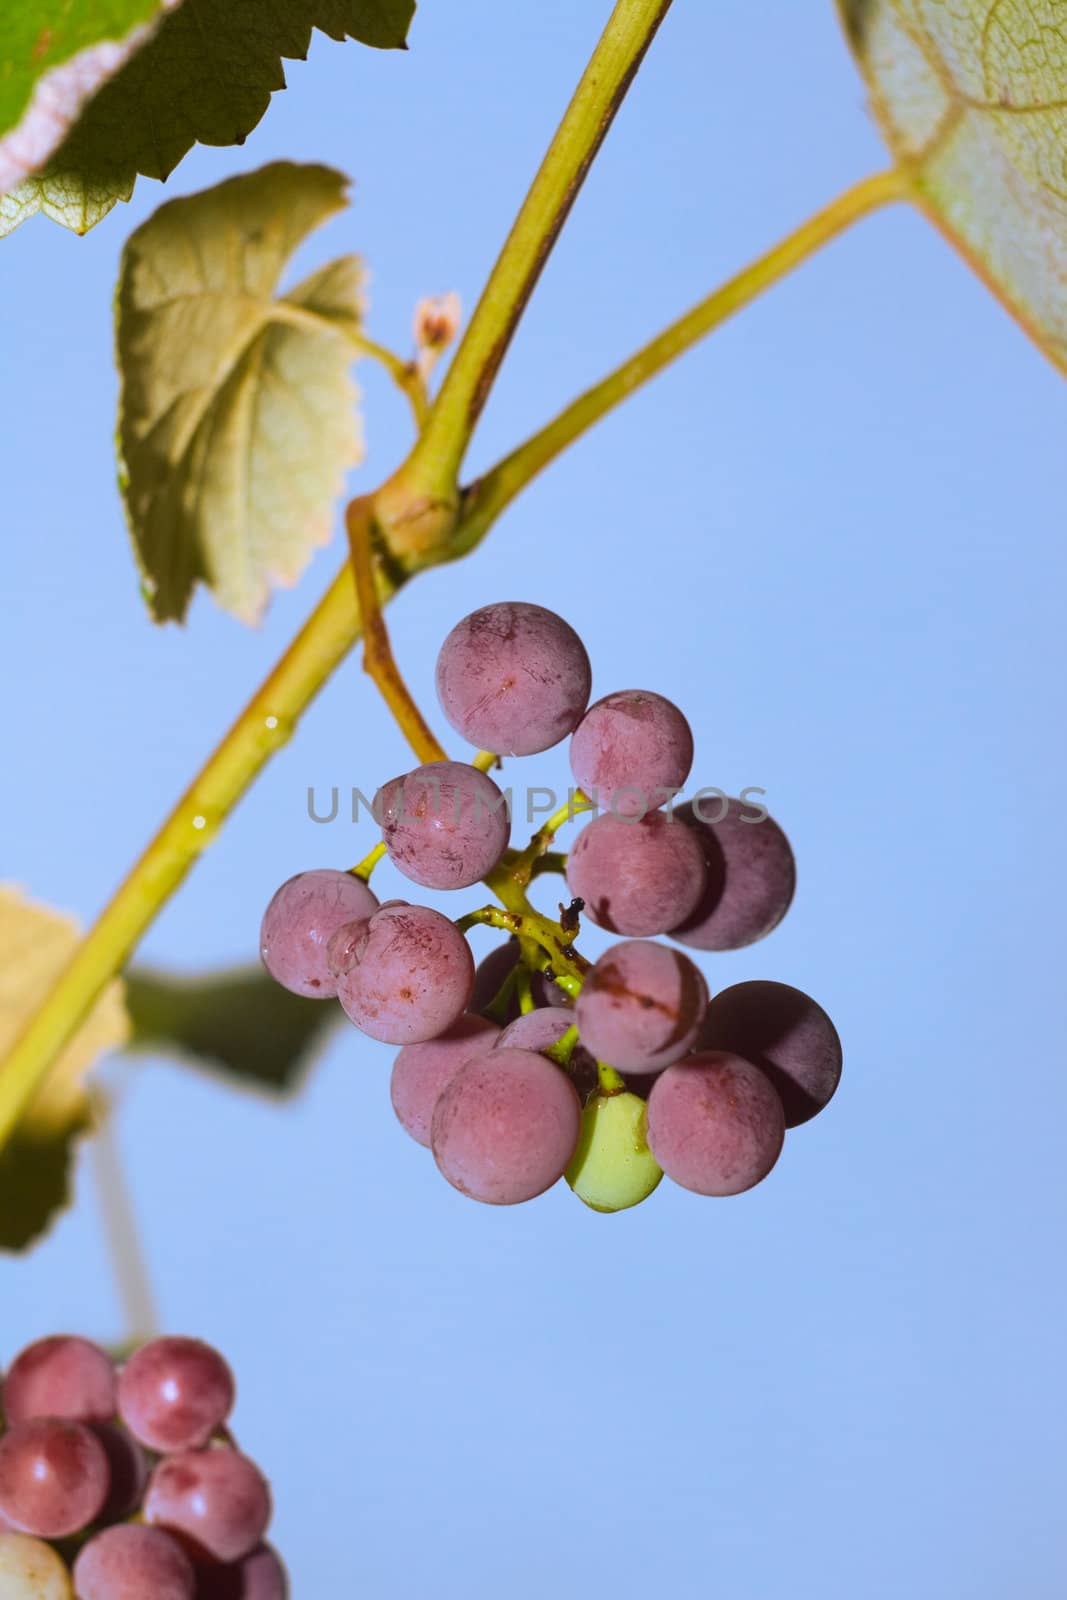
{"x":238,"y":413}
{"x":35,"y":944}
{"x":971,"y":96}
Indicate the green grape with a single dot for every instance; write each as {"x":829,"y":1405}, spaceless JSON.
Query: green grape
{"x":613,"y":1168}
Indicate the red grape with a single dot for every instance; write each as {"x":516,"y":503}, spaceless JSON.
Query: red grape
{"x":174,"y":1393}
{"x":445,"y":825}
{"x":134,"y":1563}
{"x":506,"y":1127}
{"x":60,"y":1377}
{"x":259,"y":1576}
{"x":637,"y":877}
{"x":715,"y":1123}
{"x":216,"y":1497}
{"x":513,"y":678}
{"x":421,"y":1072}
{"x":783,"y":1031}
{"x":299,"y":923}
{"x":411,"y":977}
{"x":750,"y":877}
{"x":642,"y":1006}
{"x":53,"y":1477}
{"x":632,"y":752}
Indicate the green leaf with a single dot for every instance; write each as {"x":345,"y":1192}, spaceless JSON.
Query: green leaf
{"x":237,"y":416}
{"x":972,"y":99}
{"x":239,"y":1024}
{"x":36,"y":943}
{"x":94,"y":92}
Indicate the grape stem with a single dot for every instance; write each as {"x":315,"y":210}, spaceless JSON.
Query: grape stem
{"x":334,"y":625}
{"x":567,"y":967}
{"x":563,"y":1049}
{"x":364,"y":868}
{"x":609,"y":1080}
{"x":551,"y":861}
{"x":378,"y":658}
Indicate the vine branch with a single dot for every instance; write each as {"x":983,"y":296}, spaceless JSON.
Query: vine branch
{"x":430,"y":476}
{"x":492,"y":494}
{"x":334,"y":625}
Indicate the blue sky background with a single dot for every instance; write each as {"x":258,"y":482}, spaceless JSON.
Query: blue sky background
{"x":834,"y":534}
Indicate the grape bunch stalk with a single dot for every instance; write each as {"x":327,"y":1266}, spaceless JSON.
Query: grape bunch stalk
{"x":539,"y":1064}
{"x":124,"y":1482}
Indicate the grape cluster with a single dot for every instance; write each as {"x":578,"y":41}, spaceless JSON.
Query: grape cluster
{"x":124,"y":1482}
{"x":539,"y":1064}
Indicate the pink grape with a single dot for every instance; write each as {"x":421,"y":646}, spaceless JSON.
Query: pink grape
{"x":785,"y":1033}
{"x":53,"y":1477}
{"x":631,"y":752}
{"x":540,"y":1030}
{"x":751,"y":876}
{"x":134,"y":1563}
{"x":513,"y":678}
{"x":411,"y":977}
{"x":216,"y":1498}
{"x":715,"y":1123}
{"x":60,"y":1377}
{"x":422,"y":1072}
{"x":506,"y":1127}
{"x":259,"y":1576}
{"x":641,"y":1006}
{"x":301,"y":919}
{"x":494,"y":968}
{"x":445,"y":825}
{"x":175,"y":1393}
{"x":637,"y":877}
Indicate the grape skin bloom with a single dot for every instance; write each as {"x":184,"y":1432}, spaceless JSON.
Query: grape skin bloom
{"x":631,"y":752}
{"x":642,"y":1006}
{"x":638,"y":878}
{"x":715,"y":1123}
{"x":750,"y":872}
{"x":133,"y":1563}
{"x":31,"y":1570}
{"x":506,"y":1127}
{"x":174,"y":1393}
{"x":299,"y":923}
{"x":422,"y":1072}
{"x":513,"y":678}
{"x":411,"y":978}
{"x":445,"y":825}
{"x":785,"y":1033}
{"x":62,"y":1376}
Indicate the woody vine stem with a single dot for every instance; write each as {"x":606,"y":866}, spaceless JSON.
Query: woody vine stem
{"x":420,"y":517}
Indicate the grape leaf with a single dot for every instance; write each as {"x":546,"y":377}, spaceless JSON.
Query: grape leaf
{"x":237,"y":416}
{"x":35,"y":943}
{"x":972,"y":99}
{"x":95,"y":92}
{"x":240,"y":1024}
